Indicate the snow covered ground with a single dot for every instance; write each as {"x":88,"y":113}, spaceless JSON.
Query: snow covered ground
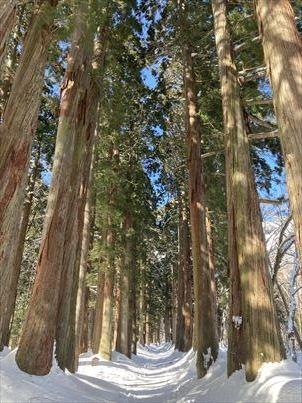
{"x":156,"y":374}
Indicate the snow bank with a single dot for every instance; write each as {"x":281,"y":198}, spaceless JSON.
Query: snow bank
{"x":156,"y":374}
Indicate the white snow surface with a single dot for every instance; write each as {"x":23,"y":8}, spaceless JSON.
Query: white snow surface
{"x":156,"y":374}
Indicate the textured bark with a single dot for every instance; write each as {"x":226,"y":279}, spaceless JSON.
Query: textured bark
{"x":142,"y":308}
{"x":188,"y":307}
{"x":11,"y":302}
{"x":185,"y":259}
{"x":205,"y":331}
{"x":282,"y":47}
{"x":39,"y":329}
{"x":122,"y":342}
{"x":83,"y":171}
{"x":9,"y":60}
{"x":253,"y":326}
{"x":81,"y":159}
{"x":183,"y":264}
{"x":81,"y":292}
{"x":167,"y":326}
{"x":148,"y":337}
{"x":84,"y":342}
{"x":117,"y":301}
{"x":7,"y":21}
{"x":212,"y":265}
{"x":16,"y":135}
{"x":107,"y":320}
{"x":133,"y":323}
{"x":172,"y":309}
{"x":105,"y":346}
{"x":97,"y":328}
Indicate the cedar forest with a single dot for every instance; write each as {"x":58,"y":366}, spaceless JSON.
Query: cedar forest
{"x":145,"y":147}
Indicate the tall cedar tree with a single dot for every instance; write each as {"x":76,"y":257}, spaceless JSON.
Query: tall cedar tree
{"x":39,"y":329}
{"x":253,"y":331}
{"x":282,"y":47}
{"x":16,"y":135}
{"x":205,"y":331}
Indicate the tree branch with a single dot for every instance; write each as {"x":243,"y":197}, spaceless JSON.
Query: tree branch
{"x":260,"y":122}
{"x":263,"y":135}
{"x":251,"y":102}
{"x":244,"y":45}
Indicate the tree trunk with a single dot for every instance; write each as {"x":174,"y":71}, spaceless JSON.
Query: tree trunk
{"x":212,"y":265}
{"x":167,"y":326}
{"x":97,"y":327}
{"x":9,"y":63}
{"x":253,"y":326}
{"x":8,"y":11}
{"x":282,"y":47}
{"x":173,"y":304}
{"x":148,"y":327}
{"x":107,"y":320}
{"x":39,"y":328}
{"x":122,"y":343}
{"x":180,"y":322}
{"x":96,"y":85}
{"x":16,"y":135}
{"x":205,"y":332}
{"x":79,"y":180}
{"x":81,"y":292}
{"x":188,"y":281}
{"x":142,"y":307}
{"x":105,"y":347}
{"x":66,"y":331}
{"x":133,"y":325}
{"x":7,"y":320}
{"x":84,"y":344}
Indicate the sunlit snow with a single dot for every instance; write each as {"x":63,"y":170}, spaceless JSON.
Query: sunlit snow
{"x":156,"y":374}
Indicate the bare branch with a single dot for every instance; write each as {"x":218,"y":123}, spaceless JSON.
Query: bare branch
{"x":280,"y":250}
{"x":263,"y":135}
{"x":260,"y":122}
{"x":211,"y":153}
{"x":281,"y":200}
{"x":244,"y":45}
{"x":251,"y":102}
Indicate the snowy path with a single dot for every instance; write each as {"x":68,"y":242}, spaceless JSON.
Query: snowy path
{"x":156,"y":374}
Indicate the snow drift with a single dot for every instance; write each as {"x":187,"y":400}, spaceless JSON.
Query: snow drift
{"x":156,"y":374}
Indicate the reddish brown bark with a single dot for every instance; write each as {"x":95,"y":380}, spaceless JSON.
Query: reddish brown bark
{"x":7,"y":320}
{"x":282,"y":47}
{"x":205,"y":329}
{"x":184,"y":327}
{"x":39,"y":328}
{"x":16,"y":135}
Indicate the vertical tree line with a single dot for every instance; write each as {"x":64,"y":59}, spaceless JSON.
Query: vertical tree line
{"x":148,"y":226}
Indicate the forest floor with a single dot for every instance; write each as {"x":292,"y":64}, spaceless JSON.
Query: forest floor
{"x":156,"y":374}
